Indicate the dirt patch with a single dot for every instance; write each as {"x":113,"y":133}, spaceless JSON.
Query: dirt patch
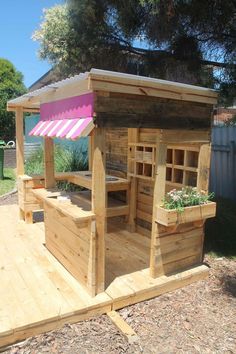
{"x":200,"y":318}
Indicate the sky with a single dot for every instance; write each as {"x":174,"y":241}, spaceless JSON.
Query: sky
{"x":18,"y":20}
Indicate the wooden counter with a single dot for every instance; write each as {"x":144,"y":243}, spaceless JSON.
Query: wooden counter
{"x":28,"y":202}
{"x":77,"y":209}
{"x":70,"y":234}
{"x":84,"y":179}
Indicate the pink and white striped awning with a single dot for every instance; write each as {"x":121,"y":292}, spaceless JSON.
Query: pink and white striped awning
{"x":69,"y":118}
{"x":64,"y":128}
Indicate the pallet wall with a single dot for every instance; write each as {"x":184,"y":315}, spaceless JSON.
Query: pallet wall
{"x":117,"y":147}
{"x":181,"y":247}
{"x":116,"y":151}
{"x":72,"y":244}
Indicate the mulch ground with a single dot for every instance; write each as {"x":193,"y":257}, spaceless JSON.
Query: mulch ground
{"x":200,"y":318}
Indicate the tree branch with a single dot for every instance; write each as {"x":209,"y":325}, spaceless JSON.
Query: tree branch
{"x":157,"y":53}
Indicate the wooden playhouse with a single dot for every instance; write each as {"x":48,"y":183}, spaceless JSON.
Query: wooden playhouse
{"x":146,"y":137}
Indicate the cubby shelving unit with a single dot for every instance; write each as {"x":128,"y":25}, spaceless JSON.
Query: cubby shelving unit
{"x":182,"y":166}
{"x":141,"y":160}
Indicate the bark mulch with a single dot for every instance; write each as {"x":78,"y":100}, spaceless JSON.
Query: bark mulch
{"x":200,"y":318}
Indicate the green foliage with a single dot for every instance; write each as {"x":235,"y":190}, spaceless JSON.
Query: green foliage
{"x":220,"y":232}
{"x":66,"y":160}
{"x":34,"y":164}
{"x":187,"y":196}
{"x":9,"y":181}
{"x":11,"y":86}
{"x":173,"y":39}
{"x":53,"y":34}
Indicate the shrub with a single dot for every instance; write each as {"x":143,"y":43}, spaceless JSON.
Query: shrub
{"x":220,"y":232}
{"x":34,"y":164}
{"x":65,"y":160}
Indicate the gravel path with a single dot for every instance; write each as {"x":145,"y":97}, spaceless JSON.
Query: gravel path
{"x":200,"y":318}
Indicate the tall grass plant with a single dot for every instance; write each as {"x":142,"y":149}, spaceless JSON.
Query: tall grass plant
{"x":65,"y":160}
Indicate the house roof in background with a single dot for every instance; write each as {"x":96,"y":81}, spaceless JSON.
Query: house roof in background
{"x":44,"y":80}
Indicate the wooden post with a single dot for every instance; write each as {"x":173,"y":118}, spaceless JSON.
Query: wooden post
{"x":99,"y":203}
{"x":20,"y":141}
{"x":90,"y":151}
{"x":204,"y":161}
{"x":133,"y":137}
{"x":156,"y":265}
{"x":49,"y":163}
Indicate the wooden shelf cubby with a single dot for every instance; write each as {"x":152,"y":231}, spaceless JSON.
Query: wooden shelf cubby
{"x":141,"y":160}
{"x":182,"y":166}
{"x":181,"y":163}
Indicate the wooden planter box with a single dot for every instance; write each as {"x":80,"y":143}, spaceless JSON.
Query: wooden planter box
{"x":190,"y":214}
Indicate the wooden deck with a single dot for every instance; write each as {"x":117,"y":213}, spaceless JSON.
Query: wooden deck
{"x":37,"y":294}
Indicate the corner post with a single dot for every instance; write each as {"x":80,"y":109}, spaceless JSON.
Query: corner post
{"x":90,"y":150}
{"x":204,"y":161}
{"x":20,"y":141}
{"x":133,"y":137}
{"x":49,"y":163}
{"x":156,"y":263}
{"x":99,"y":203}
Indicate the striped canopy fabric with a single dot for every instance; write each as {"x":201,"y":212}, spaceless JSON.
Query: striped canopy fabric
{"x":68,"y":118}
{"x":64,"y":128}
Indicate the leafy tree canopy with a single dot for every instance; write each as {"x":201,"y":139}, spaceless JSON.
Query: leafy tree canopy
{"x":11,"y":86}
{"x":182,"y":40}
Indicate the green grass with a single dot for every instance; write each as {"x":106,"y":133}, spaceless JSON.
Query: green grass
{"x":220,"y":232}
{"x":9,"y":181}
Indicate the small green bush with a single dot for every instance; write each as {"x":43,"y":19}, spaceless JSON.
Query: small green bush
{"x":220,"y":232}
{"x":65,"y":159}
{"x":34,"y":164}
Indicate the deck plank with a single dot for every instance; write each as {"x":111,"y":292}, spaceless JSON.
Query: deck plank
{"x":38,"y":294}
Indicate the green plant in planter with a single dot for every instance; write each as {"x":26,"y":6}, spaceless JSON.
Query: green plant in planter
{"x":185,"y":197}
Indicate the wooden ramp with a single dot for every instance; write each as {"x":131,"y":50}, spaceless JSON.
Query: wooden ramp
{"x":37,"y":294}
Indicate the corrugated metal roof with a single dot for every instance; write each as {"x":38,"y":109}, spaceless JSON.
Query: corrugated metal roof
{"x":49,"y":88}
{"x":104,"y":74}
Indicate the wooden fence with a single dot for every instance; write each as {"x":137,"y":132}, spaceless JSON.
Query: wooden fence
{"x":223,"y":162}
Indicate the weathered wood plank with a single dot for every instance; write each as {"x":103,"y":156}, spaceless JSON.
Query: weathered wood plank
{"x":204,"y":167}
{"x":150,"y":89}
{"x":156,"y":264}
{"x":123,"y":326}
{"x":99,"y":203}
{"x":150,"y":105}
{"x":158,"y":120}
{"x":133,"y":112}
{"x":133,"y":136}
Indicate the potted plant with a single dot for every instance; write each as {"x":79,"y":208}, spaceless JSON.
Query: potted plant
{"x":185,"y":205}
